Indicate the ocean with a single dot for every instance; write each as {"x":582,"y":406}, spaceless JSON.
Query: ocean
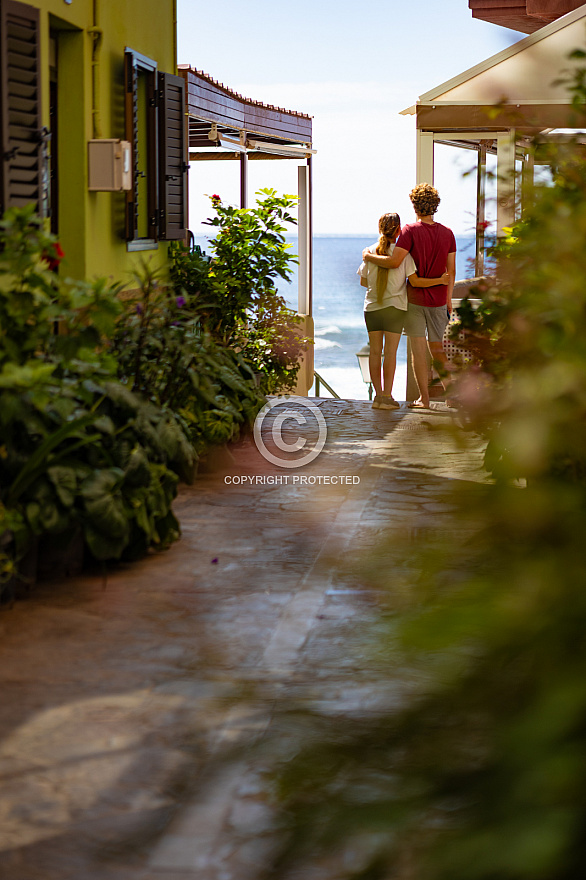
{"x":338,"y":301}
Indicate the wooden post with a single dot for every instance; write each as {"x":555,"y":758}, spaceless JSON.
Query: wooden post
{"x":304,"y":242}
{"x":480,"y":210}
{"x":309,"y":236}
{"x":505,"y":181}
{"x":425,"y":157}
{"x":528,"y":178}
{"x":304,"y":292}
{"x":244,"y":180}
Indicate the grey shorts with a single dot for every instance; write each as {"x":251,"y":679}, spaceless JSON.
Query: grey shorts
{"x":433,"y":319}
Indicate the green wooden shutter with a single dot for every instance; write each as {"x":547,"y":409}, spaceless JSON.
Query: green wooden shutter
{"x":20,"y":106}
{"x":172,"y":158}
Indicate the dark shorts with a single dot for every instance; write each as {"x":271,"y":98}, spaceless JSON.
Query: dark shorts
{"x":390,"y":320}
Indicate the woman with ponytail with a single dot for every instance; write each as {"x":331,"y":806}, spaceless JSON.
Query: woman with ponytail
{"x":385,"y":307}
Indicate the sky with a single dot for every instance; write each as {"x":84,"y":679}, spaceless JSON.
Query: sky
{"x":353,"y":69}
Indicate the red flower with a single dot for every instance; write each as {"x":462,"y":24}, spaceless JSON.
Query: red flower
{"x":215,"y":198}
{"x":53,"y":256}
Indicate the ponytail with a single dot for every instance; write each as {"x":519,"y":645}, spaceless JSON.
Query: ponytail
{"x":388,"y":226}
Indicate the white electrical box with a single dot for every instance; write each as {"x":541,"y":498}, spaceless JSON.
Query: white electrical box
{"x":109,"y":165}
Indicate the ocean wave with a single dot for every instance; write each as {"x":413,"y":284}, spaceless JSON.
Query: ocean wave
{"x":331,"y":328}
{"x":320,"y":343}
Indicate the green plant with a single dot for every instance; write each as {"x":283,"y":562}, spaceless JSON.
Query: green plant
{"x":34,"y":301}
{"x":61,"y":436}
{"x":163,"y":353}
{"x":13,"y":543}
{"x":249,"y":254}
{"x":189,"y":272}
{"x":71,"y":436}
{"x":234,"y":294}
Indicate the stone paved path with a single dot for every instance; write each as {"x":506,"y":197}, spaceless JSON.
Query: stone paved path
{"x":116,"y":693}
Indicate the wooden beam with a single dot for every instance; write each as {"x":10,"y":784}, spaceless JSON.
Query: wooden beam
{"x":224,"y":156}
{"x":525,"y":118}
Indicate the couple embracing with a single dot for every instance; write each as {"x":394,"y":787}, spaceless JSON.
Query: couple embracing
{"x":409,"y":276}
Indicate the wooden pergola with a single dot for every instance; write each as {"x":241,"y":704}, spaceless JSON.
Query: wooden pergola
{"x":501,"y":106}
{"x":225,"y":126}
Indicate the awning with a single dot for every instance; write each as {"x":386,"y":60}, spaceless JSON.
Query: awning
{"x":518,"y":88}
{"x":504,"y":105}
{"x":224,"y":124}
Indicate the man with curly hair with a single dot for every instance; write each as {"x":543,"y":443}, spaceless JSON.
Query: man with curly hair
{"x":433,"y":248}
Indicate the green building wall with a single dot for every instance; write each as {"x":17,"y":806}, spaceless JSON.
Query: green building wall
{"x":91,"y":224}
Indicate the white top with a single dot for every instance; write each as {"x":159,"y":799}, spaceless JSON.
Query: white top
{"x":396,"y":290}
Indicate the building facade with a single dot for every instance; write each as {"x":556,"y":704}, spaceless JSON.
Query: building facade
{"x":93,"y":128}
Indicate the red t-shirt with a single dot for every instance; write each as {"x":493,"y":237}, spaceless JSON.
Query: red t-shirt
{"x":429,"y":244}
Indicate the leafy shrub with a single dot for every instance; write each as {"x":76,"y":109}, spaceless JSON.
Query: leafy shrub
{"x":70,"y":434}
{"x":63,"y":436}
{"x":34,"y":301}
{"x":104,"y":404}
{"x":234,"y":294}
{"x":164,"y":354}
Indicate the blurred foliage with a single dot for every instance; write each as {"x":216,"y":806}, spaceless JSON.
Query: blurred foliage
{"x":481,"y":773}
{"x":527,"y":337}
{"x":34,"y":301}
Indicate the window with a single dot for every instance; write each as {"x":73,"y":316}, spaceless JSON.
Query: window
{"x":155,"y":126}
{"x":141,"y":129}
